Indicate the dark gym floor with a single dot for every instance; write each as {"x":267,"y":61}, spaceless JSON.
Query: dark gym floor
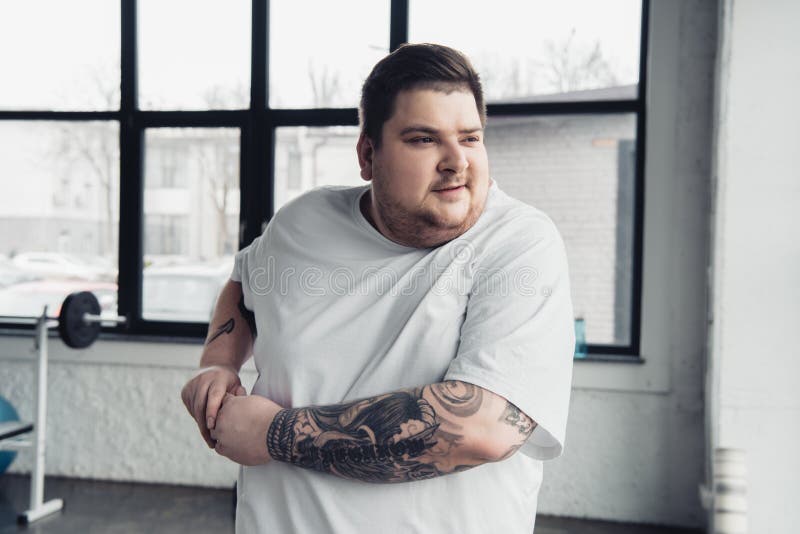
{"x":93,"y":507}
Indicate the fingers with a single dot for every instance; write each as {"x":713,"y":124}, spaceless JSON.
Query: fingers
{"x":201,"y":407}
{"x":203,"y":397}
{"x":219,"y":448}
{"x":215,"y":433}
{"x":186,"y":397}
{"x":206,"y":434}
{"x":199,"y":401}
{"x":215,"y":394}
{"x":199,"y":410}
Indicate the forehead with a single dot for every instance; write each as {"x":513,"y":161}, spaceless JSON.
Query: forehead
{"x":433,"y":107}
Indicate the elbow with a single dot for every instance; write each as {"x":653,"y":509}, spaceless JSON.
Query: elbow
{"x":496,"y":446}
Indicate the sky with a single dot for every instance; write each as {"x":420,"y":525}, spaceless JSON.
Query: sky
{"x":56,"y":54}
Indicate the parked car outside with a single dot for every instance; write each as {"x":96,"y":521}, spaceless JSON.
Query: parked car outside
{"x":28,"y":299}
{"x":11,"y":274}
{"x":63,"y":266}
{"x":183,"y":292}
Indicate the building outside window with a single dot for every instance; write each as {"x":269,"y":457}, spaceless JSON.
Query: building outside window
{"x":156,"y":136}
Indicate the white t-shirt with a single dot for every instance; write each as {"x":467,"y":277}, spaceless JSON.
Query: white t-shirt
{"x":344,"y":313}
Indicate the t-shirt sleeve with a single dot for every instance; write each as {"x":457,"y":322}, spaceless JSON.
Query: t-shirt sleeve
{"x":518,"y":336}
{"x":248,"y":270}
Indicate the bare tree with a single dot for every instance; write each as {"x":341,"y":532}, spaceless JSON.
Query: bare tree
{"x":568,"y":65}
{"x":219,"y":97}
{"x":218,"y":164}
{"x":325,"y":86}
{"x":572,"y":66}
{"x":503,"y":77}
{"x":94,"y":148}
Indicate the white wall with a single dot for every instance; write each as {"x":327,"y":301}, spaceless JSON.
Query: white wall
{"x":754,"y":360}
{"x":114,"y":412}
{"x":635,"y":437}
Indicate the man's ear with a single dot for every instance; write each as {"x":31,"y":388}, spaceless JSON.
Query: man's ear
{"x":366,"y":151}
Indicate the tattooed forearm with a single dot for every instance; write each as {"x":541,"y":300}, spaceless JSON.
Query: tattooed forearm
{"x":408,"y":435}
{"x":458,"y":398}
{"x":249,"y":317}
{"x":514,"y":417}
{"x":377,"y":440}
{"x":226,"y":328}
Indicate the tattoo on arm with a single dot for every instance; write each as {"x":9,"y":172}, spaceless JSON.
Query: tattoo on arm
{"x":229,"y":325}
{"x":360,"y":440}
{"x":514,"y":417}
{"x":407,"y":435}
{"x":458,"y":398}
{"x":226,"y":328}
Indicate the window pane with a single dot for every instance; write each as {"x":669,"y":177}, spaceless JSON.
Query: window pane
{"x":59,"y":214}
{"x":580,"y":171}
{"x":315,"y":63}
{"x":539,"y":50}
{"x":194,"y":54}
{"x":191,"y":205}
{"x":60,"y":55}
{"x":307,"y":157}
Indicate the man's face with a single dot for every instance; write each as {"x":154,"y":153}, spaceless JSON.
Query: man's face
{"x":430,"y":176}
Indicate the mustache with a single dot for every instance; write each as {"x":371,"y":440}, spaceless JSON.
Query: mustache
{"x":449,"y":184}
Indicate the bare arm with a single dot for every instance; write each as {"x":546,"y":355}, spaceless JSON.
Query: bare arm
{"x":228,"y":345}
{"x":231,"y":331}
{"x":406,"y":435}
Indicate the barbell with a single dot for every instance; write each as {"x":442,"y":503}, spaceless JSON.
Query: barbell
{"x":78,"y":322}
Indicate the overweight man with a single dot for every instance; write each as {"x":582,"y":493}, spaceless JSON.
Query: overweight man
{"x":413,"y":336}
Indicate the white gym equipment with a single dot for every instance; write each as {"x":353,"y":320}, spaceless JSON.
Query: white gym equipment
{"x":15,"y":434}
{"x":78,"y":326}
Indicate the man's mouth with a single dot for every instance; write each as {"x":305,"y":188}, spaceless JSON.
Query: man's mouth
{"x":450,"y":188}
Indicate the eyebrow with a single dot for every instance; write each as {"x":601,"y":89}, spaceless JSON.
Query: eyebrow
{"x":428,"y":130}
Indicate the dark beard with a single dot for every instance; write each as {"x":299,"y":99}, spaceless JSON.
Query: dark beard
{"x":420,"y":230}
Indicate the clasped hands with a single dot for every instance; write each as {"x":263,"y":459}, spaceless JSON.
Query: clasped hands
{"x":231,"y":422}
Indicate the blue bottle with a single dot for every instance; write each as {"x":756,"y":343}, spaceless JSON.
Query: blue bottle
{"x":580,"y":338}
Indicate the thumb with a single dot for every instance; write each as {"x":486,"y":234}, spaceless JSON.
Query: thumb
{"x":240,"y":391}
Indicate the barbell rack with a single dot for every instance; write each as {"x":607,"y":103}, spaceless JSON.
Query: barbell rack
{"x":78,"y":325}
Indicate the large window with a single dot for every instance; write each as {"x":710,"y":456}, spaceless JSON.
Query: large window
{"x":144,"y":142}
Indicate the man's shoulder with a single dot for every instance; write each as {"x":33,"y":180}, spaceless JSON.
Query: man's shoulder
{"x":511,"y":232}
{"x":506,"y":216}
{"x":319,"y":200}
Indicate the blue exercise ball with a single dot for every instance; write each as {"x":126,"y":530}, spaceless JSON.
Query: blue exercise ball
{"x":7,"y":413}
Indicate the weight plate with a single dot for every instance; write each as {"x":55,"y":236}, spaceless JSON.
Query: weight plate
{"x":74,"y":331}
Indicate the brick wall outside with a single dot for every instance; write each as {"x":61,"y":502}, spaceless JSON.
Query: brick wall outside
{"x":567,"y":166}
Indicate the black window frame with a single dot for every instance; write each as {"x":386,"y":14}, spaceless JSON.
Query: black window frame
{"x":257,"y":125}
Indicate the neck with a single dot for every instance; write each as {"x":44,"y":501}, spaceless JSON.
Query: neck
{"x":408,"y":233}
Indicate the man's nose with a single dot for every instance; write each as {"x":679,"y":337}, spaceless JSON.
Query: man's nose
{"x":453,"y":158}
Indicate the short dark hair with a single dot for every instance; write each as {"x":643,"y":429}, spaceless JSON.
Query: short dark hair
{"x":414,"y":66}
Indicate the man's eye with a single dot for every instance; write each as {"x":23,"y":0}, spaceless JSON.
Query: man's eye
{"x":472,"y":139}
{"x":422,"y":140}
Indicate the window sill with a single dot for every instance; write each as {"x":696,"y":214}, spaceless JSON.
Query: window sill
{"x":110,"y":349}
{"x":591,"y":373}
{"x":611,"y":358}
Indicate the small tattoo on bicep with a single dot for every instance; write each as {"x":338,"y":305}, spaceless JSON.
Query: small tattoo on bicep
{"x":514,"y":417}
{"x":226,"y":328}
